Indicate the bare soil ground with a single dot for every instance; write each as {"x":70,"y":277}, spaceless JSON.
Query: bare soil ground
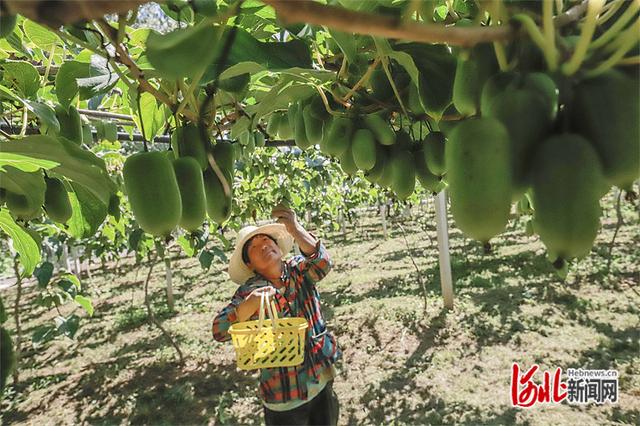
{"x":402,"y":364}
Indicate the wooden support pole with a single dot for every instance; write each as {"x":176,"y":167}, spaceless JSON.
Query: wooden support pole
{"x":383,"y":217}
{"x":168,"y":281}
{"x":446,"y":280}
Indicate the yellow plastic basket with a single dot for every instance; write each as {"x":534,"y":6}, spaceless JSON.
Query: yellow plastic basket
{"x":280,"y":344}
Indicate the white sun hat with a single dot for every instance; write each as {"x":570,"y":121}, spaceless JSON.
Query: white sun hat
{"x":238,"y":270}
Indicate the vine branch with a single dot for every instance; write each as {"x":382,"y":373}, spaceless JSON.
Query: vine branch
{"x":123,"y":57}
{"x":310,"y":12}
{"x":57,"y":13}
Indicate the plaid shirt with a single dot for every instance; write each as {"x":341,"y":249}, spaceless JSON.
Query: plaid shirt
{"x":300,"y":299}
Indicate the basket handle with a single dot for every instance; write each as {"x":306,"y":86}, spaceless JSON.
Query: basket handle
{"x":270,"y":308}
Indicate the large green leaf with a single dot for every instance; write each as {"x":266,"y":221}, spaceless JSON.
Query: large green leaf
{"x":6,"y":93}
{"x":14,"y":40}
{"x":182,"y":52}
{"x":45,"y":113}
{"x":100,"y":78}
{"x":23,"y":243}
{"x":31,"y":185}
{"x":24,"y":162}
{"x":436,"y":67}
{"x":154,"y":114}
{"x":347,"y":43}
{"x":66,"y":84}
{"x":39,"y":35}
{"x":23,"y":76}
{"x":280,"y":96}
{"x":75,"y":163}
{"x":273,"y":56}
{"x":88,"y":212}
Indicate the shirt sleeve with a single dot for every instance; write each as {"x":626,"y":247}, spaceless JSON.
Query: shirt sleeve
{"x":314,"y":266}
{"x":227,"y":316}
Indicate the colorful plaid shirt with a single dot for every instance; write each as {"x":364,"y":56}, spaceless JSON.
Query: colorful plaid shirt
{"x":300,"y":299}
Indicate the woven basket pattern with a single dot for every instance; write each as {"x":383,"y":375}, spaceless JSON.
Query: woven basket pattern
{"x":268,"y":347}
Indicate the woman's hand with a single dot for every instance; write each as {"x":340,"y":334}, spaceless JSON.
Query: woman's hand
{"x":251,"y":303}
{"x":306,"y":242}
{"x":257,"y":293}
{"x":287,"y":217}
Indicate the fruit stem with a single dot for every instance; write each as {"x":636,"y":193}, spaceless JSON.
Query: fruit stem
{"x":627,"y":41}
{"x":343,"y":67}
{"x":609,"y":10}
{"x":593,"y":9}
{"x":25,"y":118}
{"x":501,"y":55}
{"x":325,"y":101}
{"x":559,"y":6}
{"x":631,"y":60}
{"x":617,"y":26}
{"x":385,"y":66}
{"x":628,"y":33}
{"x":497,"y":12}
{"x":363,"y":80}
{"x":550,"y":50}
{"x":46,"y":71}
{"x":533,"y":31}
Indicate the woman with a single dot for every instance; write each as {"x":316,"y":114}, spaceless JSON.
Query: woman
{"x":290,"y":395}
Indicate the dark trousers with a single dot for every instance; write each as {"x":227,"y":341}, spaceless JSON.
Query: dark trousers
{"x":321,"y":410}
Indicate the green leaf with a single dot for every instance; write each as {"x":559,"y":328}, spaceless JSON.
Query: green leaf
{"x":242,"y":68}
{"x":406,"y":61}
{"x":205,"y":258}
{"x":23,"y":76}
{"x":154,"y":115}
{"x":43,"y":273}
{"x":347,"y":43}
{"x":68,"y":326}
{"x":100,"y":78}
{"x":39,"y":35}
{"x":24,"y":163}
{"x":85,"y":302}
{"x":42,"y":335}
{"x":75,"y":163}
{"x":187,"y":245}
{"x":274,"y":56}
{"x":23,"y":243}
{"x":72,"y":279}
{"x":45,"y":113}
{"x":182,"y":52}
{"x":31,"y":184}
{"x":134,"y":239}
{"x":437,"y":67}
{"x":66,"y":84}
{"x":15,"y":41}
{"x":382,"y":45}
{"x":280,"y":97}
{"x":68,"y":288}
{"x":88,"y":212}
{"x":6,"y":93}
{"x":106,"y":130}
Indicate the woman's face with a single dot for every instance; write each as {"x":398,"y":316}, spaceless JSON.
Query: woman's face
{"x":263,"y":253}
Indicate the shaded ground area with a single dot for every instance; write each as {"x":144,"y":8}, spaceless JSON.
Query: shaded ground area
{"x":401,"y":365}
